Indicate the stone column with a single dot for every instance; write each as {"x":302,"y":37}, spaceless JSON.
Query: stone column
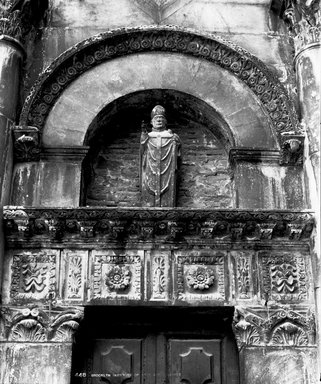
{"x":11,"y":56}
{"x":304,"y":19}
{"x":36,"y":344}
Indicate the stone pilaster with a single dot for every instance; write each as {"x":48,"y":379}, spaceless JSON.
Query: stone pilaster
{"x":304,"y":19}
{"x":276,"y":344}
{"x":36,"y":344}
{"x":11,"y":57}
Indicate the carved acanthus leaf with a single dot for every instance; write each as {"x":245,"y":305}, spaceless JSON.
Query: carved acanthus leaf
{"x":276,"y":327}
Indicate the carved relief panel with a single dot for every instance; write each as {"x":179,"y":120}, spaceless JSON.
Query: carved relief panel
{"x":74,"y":270}
{"x":242,"y":268}
{"x":285,"y":276}
{"x":117,"y":276}
{"x":200,"y":276}
{"x":34,"y":275}
{"x":159,"y":275}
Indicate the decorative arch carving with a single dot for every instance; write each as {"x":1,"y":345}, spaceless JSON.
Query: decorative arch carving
{"x":113,"y":44}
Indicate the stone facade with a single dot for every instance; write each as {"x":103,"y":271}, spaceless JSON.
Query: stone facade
{"x":87,"y":263}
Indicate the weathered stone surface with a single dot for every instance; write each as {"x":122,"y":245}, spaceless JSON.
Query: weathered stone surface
{"x":259,"y":185}
{"x":27,"y":363}
{"x":279,"y":366}
{"x":25,"y":184}
{"x":47,"y":184}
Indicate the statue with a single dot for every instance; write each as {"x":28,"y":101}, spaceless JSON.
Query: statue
{"x":160,"y":149}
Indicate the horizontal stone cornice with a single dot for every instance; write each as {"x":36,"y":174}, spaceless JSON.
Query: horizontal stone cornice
{"x":156,"y":225}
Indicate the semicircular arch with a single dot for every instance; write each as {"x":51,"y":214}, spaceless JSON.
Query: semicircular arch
{"x":236,"y":72}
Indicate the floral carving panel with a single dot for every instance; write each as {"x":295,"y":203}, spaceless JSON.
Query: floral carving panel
{"x":243,"y":277}
{"x":285,"y":277}
{"x":75,"y":267}
{"x":117,"y":276}
{"x":200,"y":277}
{"x":159,"y":276}
{"x":33,"y":275}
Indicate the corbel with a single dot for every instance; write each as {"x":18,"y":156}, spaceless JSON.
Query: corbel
{"x":26,"y":144}
{"x":292,"y":148}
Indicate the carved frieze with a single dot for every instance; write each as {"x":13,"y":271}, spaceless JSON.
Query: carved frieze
{"x":284,"y":276}
{"x":200,"y":277}
{"x":39,"y":324}
{"x":166,"y":225}
{"x":33,"y":275}
{"x":117,"y":276}
{"x":275,"y":327}
{"x":106,"y":46}
{"x":74,"y":272}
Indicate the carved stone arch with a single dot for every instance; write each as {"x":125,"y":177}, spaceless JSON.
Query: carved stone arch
{"x":248,"y":75}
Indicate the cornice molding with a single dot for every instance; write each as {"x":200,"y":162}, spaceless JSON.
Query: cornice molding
{"x":156,"y":225}
{"x":254,"y":155}
{"x":112,"y":44}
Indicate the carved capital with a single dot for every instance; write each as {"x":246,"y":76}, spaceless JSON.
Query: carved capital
{"x":292,"y":147}
{"x":26,"y":144}
{"x":10,"y":23}
{"x":34,"y":324}
{"x":273,"y":327}
{"x":303,"y":18}
{"x":17,"y":17}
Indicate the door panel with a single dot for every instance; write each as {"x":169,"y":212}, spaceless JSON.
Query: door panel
{"x":117,"y":361}
{"x":155,"y":346}
{"x":194,"y":361}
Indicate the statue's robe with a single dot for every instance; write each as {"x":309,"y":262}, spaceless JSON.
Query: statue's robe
{"x":158,"y":166}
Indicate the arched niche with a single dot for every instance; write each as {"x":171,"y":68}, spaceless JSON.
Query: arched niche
{"x":111,"y":168}
{"x":79,"y":104}
{"x":251,"y":107}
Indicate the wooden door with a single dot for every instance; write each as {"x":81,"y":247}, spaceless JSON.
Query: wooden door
{"x":156,"y":352}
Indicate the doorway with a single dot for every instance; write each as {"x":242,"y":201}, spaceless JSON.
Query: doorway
{"x":118,"y":345}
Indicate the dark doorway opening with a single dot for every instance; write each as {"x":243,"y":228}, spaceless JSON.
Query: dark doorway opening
{"x":119,"y":345}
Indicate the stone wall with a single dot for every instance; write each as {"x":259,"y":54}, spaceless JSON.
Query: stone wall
{"x":248,"y":24}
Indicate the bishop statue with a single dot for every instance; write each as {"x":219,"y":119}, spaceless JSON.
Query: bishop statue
{"x":159,"y":152}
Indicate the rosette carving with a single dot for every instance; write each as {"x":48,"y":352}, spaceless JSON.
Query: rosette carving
{"x":201,"y":278}
{"x":118,"y":278}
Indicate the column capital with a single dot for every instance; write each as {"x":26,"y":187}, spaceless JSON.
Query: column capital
{"x":39,"y":324}
{"x":274,"y":326}
{"x":17,"y":17}
{"x":303,"y":18}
